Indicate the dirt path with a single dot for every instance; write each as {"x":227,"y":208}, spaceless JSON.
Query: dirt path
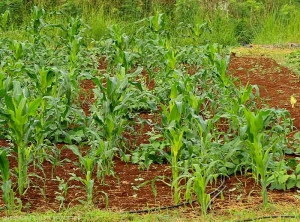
{"x":276,"y":83}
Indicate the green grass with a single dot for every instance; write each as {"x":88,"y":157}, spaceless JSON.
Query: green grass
{"x":90,"y":214}
{"x":277,"y":30}
{"x":283,"y":54}
{"x":281,"y":24}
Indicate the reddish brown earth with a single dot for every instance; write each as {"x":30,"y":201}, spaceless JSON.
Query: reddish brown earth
{"x":276,"y":84}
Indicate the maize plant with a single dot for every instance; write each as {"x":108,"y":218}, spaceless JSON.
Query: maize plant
{"x":202,"y":175}
{"x":261,"y":156}
{"x":174,"y":133}
{"x":20,"y":112}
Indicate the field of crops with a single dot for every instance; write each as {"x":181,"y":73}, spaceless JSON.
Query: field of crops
{"x":133,"y":122}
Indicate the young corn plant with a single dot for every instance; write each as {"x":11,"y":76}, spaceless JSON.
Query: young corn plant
{"x":17,"y":48}
{"x":103,"y":156}
{"x":20,"y":111}
{"x":120,"y":41}
{"x":174,"y":133}
{"x":202,"y":175}
{"x":157,"y":23}
{"x":62,"y":193}
{"x":110,"y":112}
{"x":46,"y":81}
{"x":112,"y":105}
{"x":37,"y":24}
{"x":261,"y":156}
{"x":220,"y":64}
{"x":87,"y":164}
{"x":72,"y":37}
{"x":205,"y":136}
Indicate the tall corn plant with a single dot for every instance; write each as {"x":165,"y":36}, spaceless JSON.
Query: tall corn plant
{"x":174,"y":133}
{"x":20,"y":111}
{"x":37,"y":24}
{"x":46,"y":85}
{"x":220,"y":64}
{"x":72,"y":42}
{"x":110,"y":115}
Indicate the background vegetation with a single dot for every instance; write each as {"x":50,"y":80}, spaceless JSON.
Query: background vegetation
{"x":228,"y":22}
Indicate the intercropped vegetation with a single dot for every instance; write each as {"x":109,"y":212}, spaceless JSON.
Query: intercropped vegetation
{"x":209,"y":125}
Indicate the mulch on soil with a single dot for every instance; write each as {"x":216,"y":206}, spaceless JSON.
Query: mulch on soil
{"x":276,"y":85}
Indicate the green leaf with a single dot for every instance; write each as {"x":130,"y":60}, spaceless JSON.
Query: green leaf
{"x":297,"y":171}
{"x":2,"y":92}
{"x":137,"y":84}
{"x":298,"y":181}
{"x":175,"y":112}
{"x":17,"y":90}
{"x":33,"y":106}
{"x":153,"y":187}
{"x":9,"y":103}
{"x":230,"y":165}
{"x":291,"y":182}
{"x":4,"y":165}
{"x":282,"y":179}
{"x":297,"y":136}
{"x":75,"y":150}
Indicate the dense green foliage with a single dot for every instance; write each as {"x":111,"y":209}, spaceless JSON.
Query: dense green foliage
{"x":229,"y":22}
{"x":212,"y":125}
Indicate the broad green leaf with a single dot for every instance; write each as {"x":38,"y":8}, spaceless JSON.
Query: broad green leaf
{"x":297,"y":171}
{"x":33,"y":106}
{"x":4,"y":165}
{"x":230,"y":165}
{"x":9,"y":103}
{"x":298,"y":181}
{"x":291,"y":182}
{"x":282,"y":179}
{"x":75,"y":150}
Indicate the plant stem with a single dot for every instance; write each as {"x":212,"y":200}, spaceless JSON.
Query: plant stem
{"x":22,"y":168}
{"x":175,"y":176}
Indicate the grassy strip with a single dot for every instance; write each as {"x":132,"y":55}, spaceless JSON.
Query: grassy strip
{"x":232,"y":23}
{"x":183,"y":214}
{"x":280,"y":53}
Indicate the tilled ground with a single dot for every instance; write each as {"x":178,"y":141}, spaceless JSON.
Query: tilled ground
{"x":276,"y":85}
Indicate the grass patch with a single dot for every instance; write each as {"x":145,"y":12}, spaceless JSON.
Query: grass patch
{"x":280,"y":212}
{"x":283,"y":54}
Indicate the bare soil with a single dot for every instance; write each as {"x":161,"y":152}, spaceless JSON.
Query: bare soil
{"x":276,"y":85}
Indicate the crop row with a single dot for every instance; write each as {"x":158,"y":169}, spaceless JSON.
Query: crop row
{"x":210,"y":125}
